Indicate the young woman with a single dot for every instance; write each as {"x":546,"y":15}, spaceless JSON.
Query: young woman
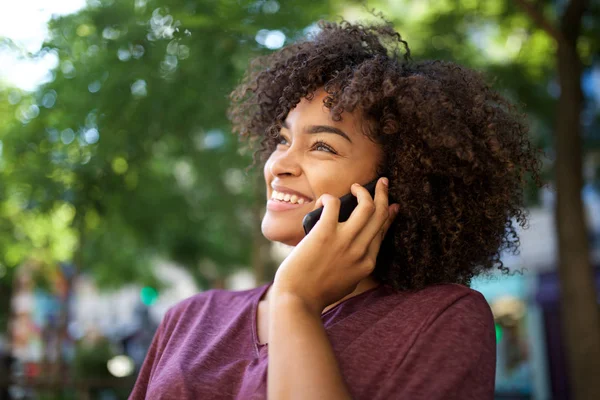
{"x":350,"y":315}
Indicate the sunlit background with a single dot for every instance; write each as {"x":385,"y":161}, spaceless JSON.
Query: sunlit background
{"x":122,"y":190}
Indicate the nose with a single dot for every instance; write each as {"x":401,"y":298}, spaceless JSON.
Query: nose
{"x":284,"y":163}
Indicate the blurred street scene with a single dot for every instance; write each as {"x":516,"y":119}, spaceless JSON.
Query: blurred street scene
{"x":122,"y":190}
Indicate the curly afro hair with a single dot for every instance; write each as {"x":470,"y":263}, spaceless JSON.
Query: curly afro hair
{"x":456,"y":153}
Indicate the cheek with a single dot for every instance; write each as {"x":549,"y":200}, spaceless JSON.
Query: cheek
{"x":267,"y":172}
{"x":338,"y":183}
{"x":331,"y":179}
{"x":335,"y":187}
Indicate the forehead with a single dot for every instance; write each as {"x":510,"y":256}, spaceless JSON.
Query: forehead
{"x":314,"y":112}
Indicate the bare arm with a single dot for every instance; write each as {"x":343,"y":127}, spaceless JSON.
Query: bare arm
{"x":302,"y":364}
{"x":324,"y":267}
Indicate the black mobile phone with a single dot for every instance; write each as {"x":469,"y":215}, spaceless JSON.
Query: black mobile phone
{"x":347,"y":205}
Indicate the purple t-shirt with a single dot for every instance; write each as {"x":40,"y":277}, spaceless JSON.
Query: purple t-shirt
{"x":436,"y":343}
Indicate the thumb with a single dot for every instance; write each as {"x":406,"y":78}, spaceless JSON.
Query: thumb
{"x":319,"y":202}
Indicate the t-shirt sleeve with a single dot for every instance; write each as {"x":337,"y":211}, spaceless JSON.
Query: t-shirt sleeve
{"x":150,"y":362}
{"x":453,"y":357}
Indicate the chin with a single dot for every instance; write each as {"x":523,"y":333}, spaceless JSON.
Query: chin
{"x":276,"y":231}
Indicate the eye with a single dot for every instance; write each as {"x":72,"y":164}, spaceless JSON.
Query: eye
{"x":282,"y":140}
{"x":322,"y":146}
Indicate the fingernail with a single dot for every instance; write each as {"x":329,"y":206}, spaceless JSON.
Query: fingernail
{"x":385,"y":181}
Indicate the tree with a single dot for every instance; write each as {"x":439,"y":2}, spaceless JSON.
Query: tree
{"x":516,"y":42}
{"x":126,"y":155}
{"x":130,"y":141}
{"x":581,"y":320}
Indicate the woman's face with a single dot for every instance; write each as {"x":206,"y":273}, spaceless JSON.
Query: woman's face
{"x":316,"y":155}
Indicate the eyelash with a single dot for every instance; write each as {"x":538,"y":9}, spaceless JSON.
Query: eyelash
{"x":321,"y":143}
{"x":318,"y":143}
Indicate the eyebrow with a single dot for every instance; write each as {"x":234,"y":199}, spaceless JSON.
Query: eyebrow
{"x":321,"y":129}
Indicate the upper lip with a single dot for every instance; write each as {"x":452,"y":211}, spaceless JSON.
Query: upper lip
{"x":283,"y":189}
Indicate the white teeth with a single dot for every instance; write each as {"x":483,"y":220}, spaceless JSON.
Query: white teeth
{"x":292,"y":198}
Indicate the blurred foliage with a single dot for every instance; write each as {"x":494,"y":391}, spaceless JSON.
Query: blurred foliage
{"x":498,"y":38}
{"x":91,"y":360}
{"x":126,"y":155}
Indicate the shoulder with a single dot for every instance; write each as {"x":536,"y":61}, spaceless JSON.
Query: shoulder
{"x":450,"y":304}
{"x":448,"y":346}
{"x":446,"y":324}
{"x":455,"y":297}
{"x":213,"y":301}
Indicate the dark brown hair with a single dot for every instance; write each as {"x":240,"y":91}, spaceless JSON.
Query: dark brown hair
{"x":456,"y":152}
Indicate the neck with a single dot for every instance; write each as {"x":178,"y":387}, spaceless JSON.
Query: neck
{"x":364,"y":285}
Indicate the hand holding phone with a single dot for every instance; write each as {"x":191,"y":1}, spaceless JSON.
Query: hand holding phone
{"x":326,"y":266}
{"x":348,"y":203}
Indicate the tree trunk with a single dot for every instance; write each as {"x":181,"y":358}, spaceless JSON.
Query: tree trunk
{"x":579,"y":307}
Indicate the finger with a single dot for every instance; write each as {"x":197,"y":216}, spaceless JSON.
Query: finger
{"x":393,"y":213}
{"x":331,"y":210}
{"x":375,"y":244}
{"x":378,"y":217}
{"x":362,"y":213}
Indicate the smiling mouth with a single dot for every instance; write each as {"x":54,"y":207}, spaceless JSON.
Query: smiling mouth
{"x":288,"y":198}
